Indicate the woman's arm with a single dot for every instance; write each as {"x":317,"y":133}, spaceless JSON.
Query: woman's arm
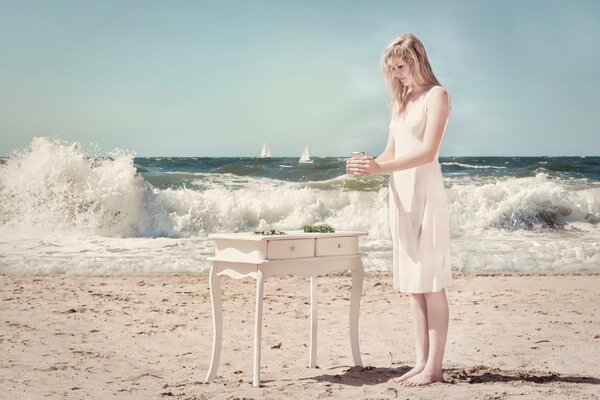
{"x":388,"y":152}
{"x":437,"y":115}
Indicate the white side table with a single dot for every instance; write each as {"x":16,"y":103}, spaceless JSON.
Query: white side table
{"x":241,"y":255}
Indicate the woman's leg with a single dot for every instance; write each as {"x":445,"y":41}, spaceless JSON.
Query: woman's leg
{"x":437,"y":320}
{"x":418,"y":306}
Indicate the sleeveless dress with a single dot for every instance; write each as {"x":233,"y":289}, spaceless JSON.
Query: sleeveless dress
{"x":418,"y":211}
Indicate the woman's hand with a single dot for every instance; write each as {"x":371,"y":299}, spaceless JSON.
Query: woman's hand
{"x":363,"y":166}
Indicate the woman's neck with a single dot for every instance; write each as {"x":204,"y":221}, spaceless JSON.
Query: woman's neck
{"x":416,"y":89}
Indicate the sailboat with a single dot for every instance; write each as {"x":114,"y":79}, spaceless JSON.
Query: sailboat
{"x":305,"y":158}
{"x":265,"y":152}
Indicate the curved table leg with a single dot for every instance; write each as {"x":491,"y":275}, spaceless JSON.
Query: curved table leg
{"x":357,"y":284}
{"x":217,"y":312}
{"x":312,"y":363}
{"x":258,"y":328}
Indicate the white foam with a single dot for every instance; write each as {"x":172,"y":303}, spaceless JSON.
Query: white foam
{"x":476,"y":207}
{"x":55,"y":186}
{"x":494,"y":251}
{"x":32,"y":252}
{"x":472,"y":166}
{"x":62,"y":211}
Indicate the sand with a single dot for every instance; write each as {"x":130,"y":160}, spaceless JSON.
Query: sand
{"x":512,"y":336}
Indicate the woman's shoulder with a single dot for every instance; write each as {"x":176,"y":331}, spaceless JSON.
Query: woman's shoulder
{"x":438,"y":94}
{"x":438,"y":90}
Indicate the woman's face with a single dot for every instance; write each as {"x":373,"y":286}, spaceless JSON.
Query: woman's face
{"x":401,"y":70}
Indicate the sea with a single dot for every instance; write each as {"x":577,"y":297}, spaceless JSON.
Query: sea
{"x":68,"y":209}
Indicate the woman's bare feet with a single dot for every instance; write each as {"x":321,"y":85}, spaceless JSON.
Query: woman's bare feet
{"x":425,"y":377}
{"x":407,"y":375}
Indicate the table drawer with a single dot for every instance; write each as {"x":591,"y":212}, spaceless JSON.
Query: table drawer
{"x":290,"y":248}
{"x":336,"y":246}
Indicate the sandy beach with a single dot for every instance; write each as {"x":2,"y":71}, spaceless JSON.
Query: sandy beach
{"x":525,"y":336}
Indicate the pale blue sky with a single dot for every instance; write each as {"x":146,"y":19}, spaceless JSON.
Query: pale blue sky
{"x":219,"y":78}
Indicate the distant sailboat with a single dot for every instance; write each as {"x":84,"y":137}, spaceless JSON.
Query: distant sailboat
{"x":265,"y":152}
{"x":305,"y":158}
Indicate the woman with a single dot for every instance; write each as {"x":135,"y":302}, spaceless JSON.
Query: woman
{"x":418,"y":205}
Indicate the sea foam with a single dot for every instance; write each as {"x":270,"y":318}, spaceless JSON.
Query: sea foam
{"x":64,"y":208}
{"x":56,"y":186}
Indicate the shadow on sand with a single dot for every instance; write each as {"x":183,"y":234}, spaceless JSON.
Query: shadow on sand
{"x":358,"y":376}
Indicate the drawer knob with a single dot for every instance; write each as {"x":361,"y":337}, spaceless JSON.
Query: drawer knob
{"x":292,"y":248}
{"x":339,"y":245}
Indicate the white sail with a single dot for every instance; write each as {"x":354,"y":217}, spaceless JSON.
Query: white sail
{"x":305,"y":157}
{"x":265,"y":152}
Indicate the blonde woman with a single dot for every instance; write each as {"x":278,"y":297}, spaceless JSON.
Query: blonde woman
{"x":418,"y":205}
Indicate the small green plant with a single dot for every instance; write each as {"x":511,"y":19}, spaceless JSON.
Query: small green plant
{"x":270,"y":232}
{"x":319,"y":228}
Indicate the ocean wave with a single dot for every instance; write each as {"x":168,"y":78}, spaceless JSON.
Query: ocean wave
{"x":527,"y":203}
{"x":470,"y":166}
{"x":65,"y":210}
{"x":558,"y":167}
{"x":56,"y":186}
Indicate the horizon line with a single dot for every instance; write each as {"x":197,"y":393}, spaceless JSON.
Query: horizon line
{"x":312,"y":157}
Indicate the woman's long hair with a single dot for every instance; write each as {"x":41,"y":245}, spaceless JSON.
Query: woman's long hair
{"x":409,"y":49}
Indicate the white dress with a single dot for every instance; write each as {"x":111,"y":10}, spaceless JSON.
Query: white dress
{"x":418,"y":211}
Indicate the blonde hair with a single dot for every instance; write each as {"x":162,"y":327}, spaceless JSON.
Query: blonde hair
{"x":409,"y":49}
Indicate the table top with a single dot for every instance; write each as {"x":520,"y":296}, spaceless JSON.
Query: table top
{"x":290,"y":235}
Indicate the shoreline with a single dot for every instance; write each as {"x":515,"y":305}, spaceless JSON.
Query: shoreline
{"x":380,"y":274}
{"x":512,"y":335}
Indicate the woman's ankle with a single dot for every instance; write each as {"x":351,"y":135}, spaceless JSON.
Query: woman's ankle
{"x":420,"y":365}
{"x":432,"y":370}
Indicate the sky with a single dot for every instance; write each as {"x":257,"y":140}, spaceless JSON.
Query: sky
{"x":220,"y":78}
